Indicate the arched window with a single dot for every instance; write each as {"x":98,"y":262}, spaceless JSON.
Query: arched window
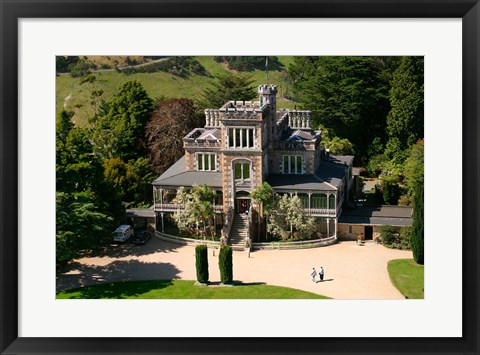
{"x":331,"y":202}
{"x":242,"y":171}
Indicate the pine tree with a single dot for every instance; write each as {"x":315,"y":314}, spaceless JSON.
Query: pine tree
{"x":118,"y":133}
{"x":405,"y":119}
{"x":347,"y":95}
{"x":229,"y":86}
{"x":417,"y":227}
{"x":64,"y":125}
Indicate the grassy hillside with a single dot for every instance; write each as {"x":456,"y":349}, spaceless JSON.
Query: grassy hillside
{"x":75,"y":97}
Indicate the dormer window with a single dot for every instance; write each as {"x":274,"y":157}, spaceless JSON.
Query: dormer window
{"x":292,"y":164}
{"x":206,"y":162}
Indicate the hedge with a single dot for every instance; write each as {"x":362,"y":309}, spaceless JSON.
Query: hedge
{"x":225,"y":264}
{"x":201,"y":263}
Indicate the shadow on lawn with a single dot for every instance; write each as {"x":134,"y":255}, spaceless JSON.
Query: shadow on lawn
{"x":237,"y":283}
{"x":81,"y":275}
{"x":121,"y":290}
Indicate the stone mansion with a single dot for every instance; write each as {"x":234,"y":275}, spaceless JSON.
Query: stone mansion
{"x":245,"y":143}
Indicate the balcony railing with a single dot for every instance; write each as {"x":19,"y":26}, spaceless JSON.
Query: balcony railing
{"x":320,"y":212}
{"x":171,"y":207}
{"x":175,"y":206}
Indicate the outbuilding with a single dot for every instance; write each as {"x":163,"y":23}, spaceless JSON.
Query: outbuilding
{"x":366,"y":221}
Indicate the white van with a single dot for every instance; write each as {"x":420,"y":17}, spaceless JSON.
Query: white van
{"x":123,"y":233}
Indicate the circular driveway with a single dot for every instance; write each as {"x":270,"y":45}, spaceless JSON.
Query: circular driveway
{"x":351,"y":271}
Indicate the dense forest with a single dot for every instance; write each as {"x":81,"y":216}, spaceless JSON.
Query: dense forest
{"x":370,"y":107}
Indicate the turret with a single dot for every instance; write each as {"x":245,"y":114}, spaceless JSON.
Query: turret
{"x":267,"y":94}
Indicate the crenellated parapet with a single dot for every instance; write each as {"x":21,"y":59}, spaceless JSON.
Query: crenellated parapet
{"x":245,"y":113}
{"x":299,"y":119}
{"x":267,"y":89}
{"x":212,"y":118}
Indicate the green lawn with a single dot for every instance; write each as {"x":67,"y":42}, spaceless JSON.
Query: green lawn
{"x":407,"y":276}
{"x":183,"y":289}
{"x":75,"y":97}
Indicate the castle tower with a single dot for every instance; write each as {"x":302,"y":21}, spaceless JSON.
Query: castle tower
{"x":267,"y":94}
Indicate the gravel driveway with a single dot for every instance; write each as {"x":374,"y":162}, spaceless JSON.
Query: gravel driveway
{"x":351,"y":271}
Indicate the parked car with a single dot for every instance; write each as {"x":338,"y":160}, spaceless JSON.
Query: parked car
{"x":123,"y":233}
{"x":141,"y":237}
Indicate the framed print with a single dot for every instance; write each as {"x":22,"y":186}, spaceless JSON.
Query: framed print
{"x":122,"y":38}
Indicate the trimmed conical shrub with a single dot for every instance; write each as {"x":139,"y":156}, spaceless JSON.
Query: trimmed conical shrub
{"x":416,"y":240}
{"x":201,"y":263}
{"x":225,"y":263}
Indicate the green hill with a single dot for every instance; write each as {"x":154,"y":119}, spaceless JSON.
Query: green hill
{"x":75,"y":97}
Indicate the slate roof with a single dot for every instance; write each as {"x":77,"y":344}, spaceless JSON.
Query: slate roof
{"x":301,"y":135}
{"x":210,"y":134}
{"x":328,"y":176}
{"x":332,"y":169}
{"x":357,"y":171}
{"x":177,"y":176}
{"x":378,"y":215}
{"x":298,"y":182}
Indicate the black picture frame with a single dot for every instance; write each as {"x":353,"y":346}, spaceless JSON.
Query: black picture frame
{"x":12,"y":11}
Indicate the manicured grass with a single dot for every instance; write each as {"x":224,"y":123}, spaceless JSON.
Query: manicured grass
{"x":183,"y":289}
{"x":408,"y":277}
{"x":75,"y":97}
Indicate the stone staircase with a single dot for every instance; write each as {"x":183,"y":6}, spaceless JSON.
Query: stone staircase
{"x":238,"y":232}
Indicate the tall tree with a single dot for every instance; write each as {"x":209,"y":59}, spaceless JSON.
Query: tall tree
{"x":263,"y":195}
{"x":347,"y":94}
{"x":80,"y":224}
{"x":118,"y":133}
{"x":417,"y":235}
{"x":196,"y":213}
{"x":90,"y":83}
{"x":288,"y":218}
{"x":77,"y":168}
{"x":229,"y":86}
{"x":413,"y":169}
{"x":405,"y":119}
{"x":64,"y":125}
{"x":165,"y":129}
{"x":131,"y":180}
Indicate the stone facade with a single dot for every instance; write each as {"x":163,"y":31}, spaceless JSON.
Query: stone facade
{"x":245,"y":143}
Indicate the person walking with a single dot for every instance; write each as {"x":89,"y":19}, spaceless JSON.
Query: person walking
{"x":314,"y":274}
{"x":321,"y":273}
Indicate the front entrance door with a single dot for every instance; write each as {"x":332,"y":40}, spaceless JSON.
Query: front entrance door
{"x":368,"y":232}
{"x":242,"y":205}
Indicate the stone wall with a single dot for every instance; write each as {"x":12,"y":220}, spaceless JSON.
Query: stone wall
{"x":343,"y":232}
{"x":189,"y":160}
